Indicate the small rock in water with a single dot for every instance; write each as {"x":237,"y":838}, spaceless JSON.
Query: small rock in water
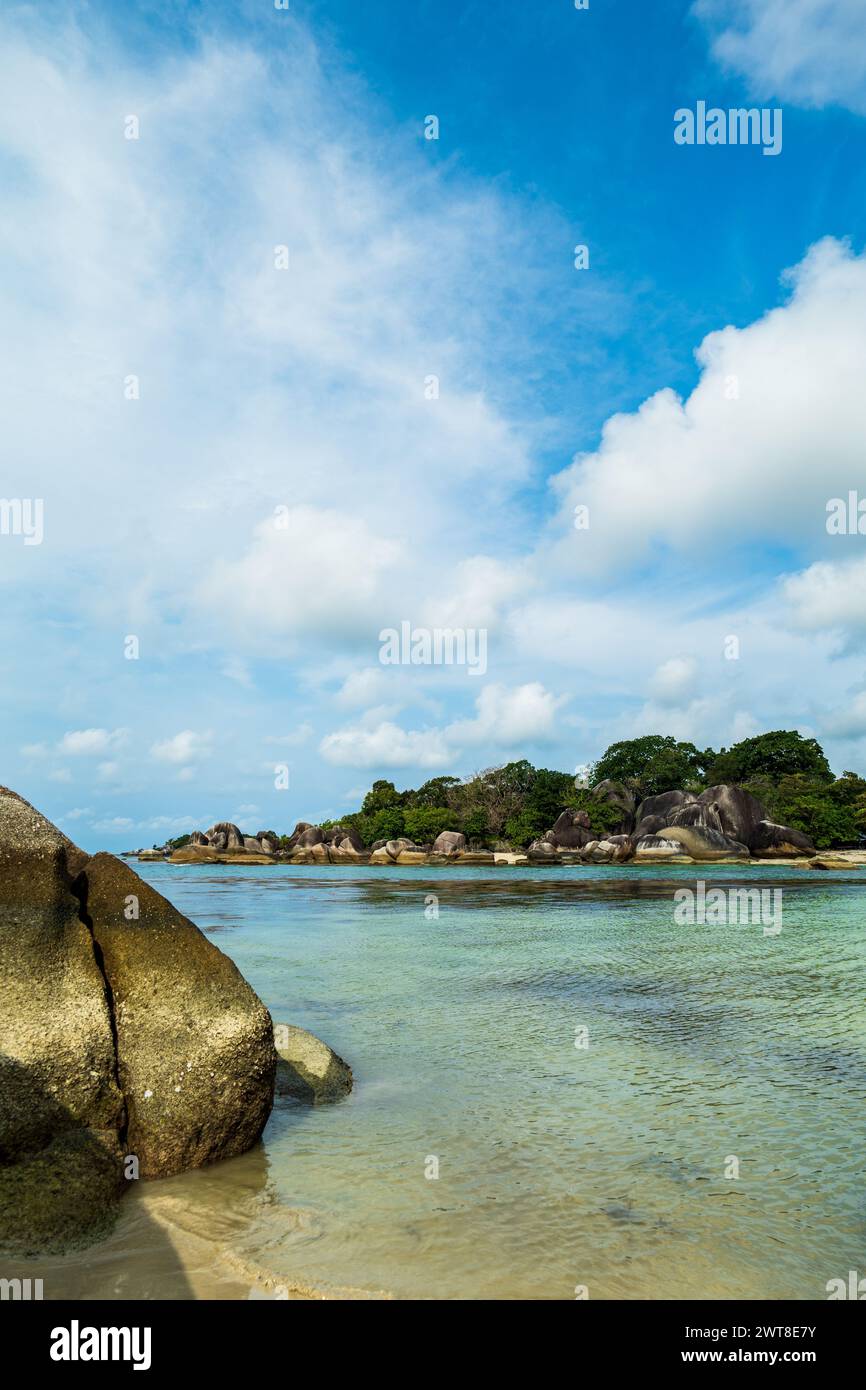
{"x":307,"y":1068}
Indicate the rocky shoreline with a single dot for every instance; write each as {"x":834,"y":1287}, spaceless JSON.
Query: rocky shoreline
{"x":722,"y":825}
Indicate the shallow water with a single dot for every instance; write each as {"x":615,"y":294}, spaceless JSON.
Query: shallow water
{"x":559,"y":1166}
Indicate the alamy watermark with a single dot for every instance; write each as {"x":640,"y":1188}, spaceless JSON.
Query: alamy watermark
{"x":737,"y":126}
{"x":437,"y":646}
{"x":20,"y":1290}
{"x":722,"y":907}
{"x":23,"y":516}
{"x":846,"y":516}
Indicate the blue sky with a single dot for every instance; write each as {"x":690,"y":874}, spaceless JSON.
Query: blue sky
{"x":698,"y":388}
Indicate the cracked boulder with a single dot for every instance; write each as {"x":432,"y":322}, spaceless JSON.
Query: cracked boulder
{"x":195,"y":1055}
{"x":123,"y":1031}
{"x":61,"y":1109}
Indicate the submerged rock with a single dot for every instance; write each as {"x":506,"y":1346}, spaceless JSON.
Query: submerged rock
{"x":307,"y":1068}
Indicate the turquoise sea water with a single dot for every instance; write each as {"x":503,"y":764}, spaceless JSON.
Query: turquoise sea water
{"x":709,"y":1048}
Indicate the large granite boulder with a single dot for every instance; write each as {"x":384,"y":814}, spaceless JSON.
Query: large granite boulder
{"x":664,"y":805}
{"x":570,"y":830}
{"x":123,"y":1031}
{"x":195,"y":1055}
{"x":198,"y":838}
{"x":229,"y":835}
{"x":693,"y":813}
{"x":309,"y":837}
{"x":298,"y":831}
{"x":268,"y":841}
{"x":737,"y":813}
{"x":542,"y":850}
{"x":61,"y":1110}
{"x":650,"y":825}
{"x":702,"y":843}
{"x":449,"y":842}
{"x":771,"y":841}
{"x":395,"y":848}
{"x":613,"y":793}
{"x":338,"y":835}
{"x":653,"y":849}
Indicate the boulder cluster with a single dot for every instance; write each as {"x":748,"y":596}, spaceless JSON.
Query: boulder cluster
{"x":721,"y":824}
{"x":312,"y":844}
{"x":130,"y":1046}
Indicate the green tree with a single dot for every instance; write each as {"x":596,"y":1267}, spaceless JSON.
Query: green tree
{"x":652,"y":764}
{"x":777,"y":754}
{"x":604,"y":819}
{"x":423,"y":823}
{"x":381,"y":795}
{"x":432,"y":793}
{"x":825,"y":811}
{"x":474,"y":825}
{"x":550,"y":793}
{"x":526,"y":826}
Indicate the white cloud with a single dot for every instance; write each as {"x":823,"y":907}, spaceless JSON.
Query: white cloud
{"x":772,"y":430}
{"x":504,"y":719}
{"x":329,"y":569}
{"x":188,"y":746}
{"x":509,"y":718}
{"x":234,"y":669}
{"x":674,"y":680}
{"x":363,"y":688}
{"x":385,"y":746}
{"x":114,"y":823}
{"x":807,"y":52}
{"x":829,"y":596}
{"x":87,"y":742}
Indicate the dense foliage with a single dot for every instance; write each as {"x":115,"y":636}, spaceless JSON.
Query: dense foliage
{"x":653,"y":764}
{"x":517,"y":803}
{"x":779,"y":754}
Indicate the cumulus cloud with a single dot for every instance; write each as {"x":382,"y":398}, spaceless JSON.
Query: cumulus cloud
{"x":509,"y":718}
{"x":188,"y":746}
{"x":829,"y":596}
{"x":504,"y":719}
{"x":674,"y":680}
{"x":807,"y":52}
{"x":773,"y":428}
{"x":322,"y":572}
{"x":385,"y":746}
